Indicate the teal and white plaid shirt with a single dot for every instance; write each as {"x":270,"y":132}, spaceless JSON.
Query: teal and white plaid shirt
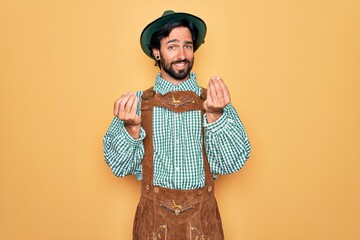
{"x":177,"y":137}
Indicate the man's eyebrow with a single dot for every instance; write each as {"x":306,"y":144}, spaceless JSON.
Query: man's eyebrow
{"x":172,"y":41}
{"x":176,"y":40}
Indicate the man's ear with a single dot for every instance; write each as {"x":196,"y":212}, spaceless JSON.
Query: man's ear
{"x":156,"y":53}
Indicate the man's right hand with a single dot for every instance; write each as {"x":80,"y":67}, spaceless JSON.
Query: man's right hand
{"x":125,"y":110}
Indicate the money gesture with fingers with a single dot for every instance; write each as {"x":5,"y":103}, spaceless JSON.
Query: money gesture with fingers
{"x":125,"y":109}
{"x":218,"y":97}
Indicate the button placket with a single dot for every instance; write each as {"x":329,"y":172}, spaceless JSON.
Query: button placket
{"x":176,"y":142}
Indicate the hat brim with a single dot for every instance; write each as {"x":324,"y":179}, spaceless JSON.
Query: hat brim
{"x":154,"y":26}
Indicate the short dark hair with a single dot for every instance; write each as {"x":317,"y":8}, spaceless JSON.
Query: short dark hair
{"x":165,"y":30}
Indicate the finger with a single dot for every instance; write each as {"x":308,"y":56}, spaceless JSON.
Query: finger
{"x":120,"y":105}
{"x":134,"y":105}
{"x":217,"y":92}
{"x":131,"y":108}
{"x":211,"y":90}
{"x":136,"y":118}
{"x":225,"y":90}
{"x":128,"y":105}
{"x":218,"y":89}
{"x":115,"y":110}
{"x":116,"y":105}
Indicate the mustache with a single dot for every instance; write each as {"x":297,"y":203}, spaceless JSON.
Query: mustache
{"x":181,"y":61}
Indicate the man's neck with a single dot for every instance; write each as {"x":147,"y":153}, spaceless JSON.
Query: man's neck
{"x":172,"y":80}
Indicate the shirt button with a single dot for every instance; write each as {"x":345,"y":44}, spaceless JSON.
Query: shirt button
{"x":156,"y":189}
{"x":147,"y":187}
{"x":199,"y":192}
{"x":209,"y":188}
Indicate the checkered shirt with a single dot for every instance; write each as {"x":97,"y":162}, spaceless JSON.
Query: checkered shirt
{"x":177,"y":138}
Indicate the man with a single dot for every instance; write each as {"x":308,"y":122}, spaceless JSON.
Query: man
{"x":176,"y":137}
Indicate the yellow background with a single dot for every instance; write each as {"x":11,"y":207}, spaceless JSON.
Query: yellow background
{"x":293,"y":69}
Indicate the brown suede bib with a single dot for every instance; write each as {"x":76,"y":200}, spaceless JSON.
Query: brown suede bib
{"x":171,"y":214}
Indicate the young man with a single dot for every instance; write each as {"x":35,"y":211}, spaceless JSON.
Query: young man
{"x":176,"y":137}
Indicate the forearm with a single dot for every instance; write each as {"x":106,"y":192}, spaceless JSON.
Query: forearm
{"x":122,"y":152}
{"x":227,"y":144}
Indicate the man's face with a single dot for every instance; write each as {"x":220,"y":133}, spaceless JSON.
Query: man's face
{"x":176,"y":55}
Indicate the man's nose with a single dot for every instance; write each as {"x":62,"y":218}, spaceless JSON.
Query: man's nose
{"x":181,"y":54}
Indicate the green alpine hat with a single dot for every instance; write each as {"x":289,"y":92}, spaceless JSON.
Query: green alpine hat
{"x":169,"y":16}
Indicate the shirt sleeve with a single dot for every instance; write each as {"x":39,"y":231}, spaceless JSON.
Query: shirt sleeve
{"x":226,"y":142}
{"x":122,"y":152}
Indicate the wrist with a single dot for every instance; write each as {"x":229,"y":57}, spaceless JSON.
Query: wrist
{"x":212,"y":117}
{"x":133,"y":130}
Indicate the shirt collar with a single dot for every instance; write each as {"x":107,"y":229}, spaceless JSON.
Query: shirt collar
{"x":163,"y":87}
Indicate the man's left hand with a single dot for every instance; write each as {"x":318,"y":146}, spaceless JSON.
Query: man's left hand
{"x":218,"y":97}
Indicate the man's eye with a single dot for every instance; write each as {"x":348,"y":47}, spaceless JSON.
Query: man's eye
{"x":171,"y":47}
{"x":188,"y":46}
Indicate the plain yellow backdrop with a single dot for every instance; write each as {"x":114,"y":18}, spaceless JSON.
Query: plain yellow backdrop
{"x":293,"y":69}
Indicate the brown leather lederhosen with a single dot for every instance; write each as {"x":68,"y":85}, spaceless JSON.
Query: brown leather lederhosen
{"x":171,"y":214}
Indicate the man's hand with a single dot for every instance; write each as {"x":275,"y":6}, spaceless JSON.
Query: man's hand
{"x":218,"y":97}
{"x":125,"y":110}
